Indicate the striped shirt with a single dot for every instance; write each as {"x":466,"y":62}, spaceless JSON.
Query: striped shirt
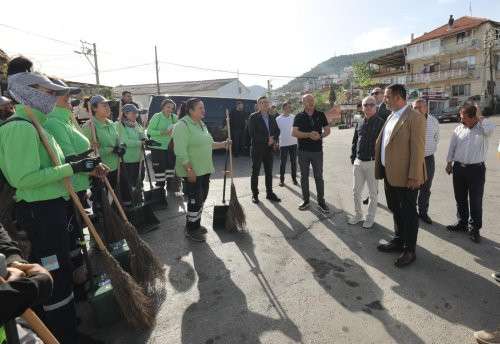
{"x":431,"y":135}
{"x":470,"y":145}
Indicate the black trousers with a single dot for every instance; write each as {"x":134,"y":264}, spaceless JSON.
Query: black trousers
{"x":314,"y":159}
{"x":262,"y":154}
{"x":128,"y":179}
{"x":196,"y":193}
{"x":403,"y":204}
{"x":75,"y":230}
{"x":97,"y":187}
{"x":284,"y":153}
{"x":424,"y":194}
{"x":46,"y":223}
{"x":468,"y":186}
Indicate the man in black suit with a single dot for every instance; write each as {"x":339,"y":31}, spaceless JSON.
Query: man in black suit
{"x":263,"y":132}
{"x":382,"y":110}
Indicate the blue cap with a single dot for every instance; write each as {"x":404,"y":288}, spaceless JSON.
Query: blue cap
{"x":129,"y":108}
{"x":97,"y":99}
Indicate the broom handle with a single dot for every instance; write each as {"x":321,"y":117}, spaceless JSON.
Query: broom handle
{"x":147,"y":167}
{"x":92,"y":131}
{"x":115,"y":198}
{"x":39,"y":327}
{"x":231,"y":145}
{"x":67,"y":182}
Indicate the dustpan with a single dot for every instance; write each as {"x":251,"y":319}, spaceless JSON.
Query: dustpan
{"x":220,"y":211}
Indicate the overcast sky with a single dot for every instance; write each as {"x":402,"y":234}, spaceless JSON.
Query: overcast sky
{"x":258,"y":36}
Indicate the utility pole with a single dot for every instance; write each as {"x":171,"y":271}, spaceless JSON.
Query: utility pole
{"x":489,"y":60}
{"x":269,"y":89}
{"x":90,"y":49}
{"x":157,"y":72}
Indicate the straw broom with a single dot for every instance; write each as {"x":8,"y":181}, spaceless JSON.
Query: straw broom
{"x":144,"y":264}
{"x":136,"y":307}
{"x":236,"y":218}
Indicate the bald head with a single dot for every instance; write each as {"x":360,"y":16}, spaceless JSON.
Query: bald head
{"x":308,"y":102}
{"x":421,"y":106}
{"x":378,"y":93}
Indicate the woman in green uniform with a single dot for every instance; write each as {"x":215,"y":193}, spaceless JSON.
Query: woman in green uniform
{"x":193,"y":147}
{"x":107,"y":143}
{"x":75,"y":146}
{"x":131,"y":133}
{"x":160,"y":129}
{"x":40,"y":194}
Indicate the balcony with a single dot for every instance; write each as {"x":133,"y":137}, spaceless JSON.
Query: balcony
{"x":438,"y":47}
{"x":455,"y":47}
{"x":443,"y":75}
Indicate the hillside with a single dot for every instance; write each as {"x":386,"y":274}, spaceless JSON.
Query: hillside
{"x":335,"y":65}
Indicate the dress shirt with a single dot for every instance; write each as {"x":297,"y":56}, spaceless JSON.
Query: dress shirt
{"x":469,"y":146}
{"x":431,"y":135}
{"x":365,"y":136}
{"x":389,"y":127}
{"x":285,"y":124}
{"x":265,"y":117}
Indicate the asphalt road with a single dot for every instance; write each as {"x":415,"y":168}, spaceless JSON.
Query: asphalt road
{"x":300,"y":277}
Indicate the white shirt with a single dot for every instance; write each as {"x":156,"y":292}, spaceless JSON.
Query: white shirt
{"x":389,"y":127}
{"x":285,"y":124}
{"x":469,"y":146}
{"x":431,"y":135}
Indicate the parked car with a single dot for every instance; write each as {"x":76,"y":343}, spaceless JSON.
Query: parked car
{"x":450,"y":114}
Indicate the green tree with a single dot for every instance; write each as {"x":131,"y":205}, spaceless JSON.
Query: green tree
{"x":332,"y":97}
{"x":363,"y":75}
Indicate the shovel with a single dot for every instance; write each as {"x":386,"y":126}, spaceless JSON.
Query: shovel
{"x":140,"y":214}
{"x":154,"y":196}
{"x":220,"y":211}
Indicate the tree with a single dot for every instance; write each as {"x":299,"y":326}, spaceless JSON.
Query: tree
{"x":362,"y":74}
{"x":332,"y":97}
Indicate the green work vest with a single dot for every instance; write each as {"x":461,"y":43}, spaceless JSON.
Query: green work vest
{"x":158,"y":124}
{"x":26,"y":164}
{"x":107,"y":137}
{"x":3,"y":336}
{"x":70,"y":139}
{"x":192,"y":143}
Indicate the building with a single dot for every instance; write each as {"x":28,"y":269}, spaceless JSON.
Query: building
{"x":218,"y":88}
{"x":389,"y":69}
{"x":459,"y":59}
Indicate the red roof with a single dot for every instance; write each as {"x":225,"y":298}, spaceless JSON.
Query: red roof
{"x":460,"y":24}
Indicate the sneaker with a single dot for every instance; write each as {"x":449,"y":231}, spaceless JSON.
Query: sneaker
{"x":323,"y":207}
{"x":368,"y":223}
{"x":496,"y":276}
{"x":196,"y":235}
{"x":304,"y":205}
{"x":487,"y":337}
{"x":354,"y":220}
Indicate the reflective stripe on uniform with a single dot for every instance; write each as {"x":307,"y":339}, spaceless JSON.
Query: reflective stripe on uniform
{"x":59,"y":304}
{"x":193,"y":216}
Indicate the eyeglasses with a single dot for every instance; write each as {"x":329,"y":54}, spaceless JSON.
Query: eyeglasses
{"x":369,"y":105}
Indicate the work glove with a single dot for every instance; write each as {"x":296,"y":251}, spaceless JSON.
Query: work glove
{"x":152,"y":143}
{"x":78,"y":157}
{"x":120,"y":150}
{"x":85,"y":165}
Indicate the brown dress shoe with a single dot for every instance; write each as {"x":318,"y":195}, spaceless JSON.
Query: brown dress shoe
{"x":405,"y":259}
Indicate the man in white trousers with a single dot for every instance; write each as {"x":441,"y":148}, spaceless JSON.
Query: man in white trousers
{"x":363,"y":161}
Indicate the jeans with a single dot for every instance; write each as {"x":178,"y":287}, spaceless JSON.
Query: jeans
{"x":468,"y":186}
{"x":284,"y":153}
{"x":316,"y":160}
{"x":262,"y":154}
{"x":364,"y":172}
{"x":425,"y":190}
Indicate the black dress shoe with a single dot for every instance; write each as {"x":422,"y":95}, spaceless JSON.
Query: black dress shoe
{"x":273,"y":198}
{"x":255,"y":199}
{"x":458,"y":227}
{"x":391,"y":246}
{"x":425,"y":218}
{"x":405,"y":259}
{"x":295,"y":182}
{"x":282,"y":184}
{"x":474,"y":236}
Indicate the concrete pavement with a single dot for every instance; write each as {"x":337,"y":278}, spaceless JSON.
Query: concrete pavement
{"x":301,"y":277}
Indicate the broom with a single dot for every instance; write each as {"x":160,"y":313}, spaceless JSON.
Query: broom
{"x":236,"y":219}
{"x":136,"y":307}
{"x":144,"y":264}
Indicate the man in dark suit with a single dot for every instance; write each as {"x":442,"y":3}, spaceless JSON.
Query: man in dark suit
{"x":382,"y":110}
{"x":399,"y":160}
{"x":264,"y":133}
{"x":237,"y":119}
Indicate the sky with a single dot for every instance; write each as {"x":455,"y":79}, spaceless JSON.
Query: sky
{"x":271,"y":37}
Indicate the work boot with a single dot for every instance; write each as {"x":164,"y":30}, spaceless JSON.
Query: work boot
{"x":273,"y":197}
{"x":487,"y":337}
{"x":323,"y":207}
{"x":295,"y":182}
{"x":474,"y":236}
{"x":196,"y":234}
{"x":255,"y":199}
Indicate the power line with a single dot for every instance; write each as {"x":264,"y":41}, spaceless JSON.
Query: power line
{"x":115,"y":69}
{"x":38,"y":35}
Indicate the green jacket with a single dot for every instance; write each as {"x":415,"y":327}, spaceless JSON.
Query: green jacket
{"x":132,"y":137}
{"x":70,"y":139}
{"x":26,"y":164}
{"x":192,"y":143}
{"x":158,"y":124}
{"x":108,"y":139}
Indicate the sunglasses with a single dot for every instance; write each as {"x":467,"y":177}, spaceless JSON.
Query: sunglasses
{"x":368,"y":105}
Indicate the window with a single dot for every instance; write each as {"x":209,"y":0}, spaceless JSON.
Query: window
{"x":464,"y":62}
{"x":460,"y":90}
{"x":462,"y":37}
{"x":497,"y":34}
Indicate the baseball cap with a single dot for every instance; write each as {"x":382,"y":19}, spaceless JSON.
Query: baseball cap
{"x":4,"y":100}
{"x":37,"y":79}
{"x":97,"y":99}
{"x":129,"y":108}
{"x":72,"y":90}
